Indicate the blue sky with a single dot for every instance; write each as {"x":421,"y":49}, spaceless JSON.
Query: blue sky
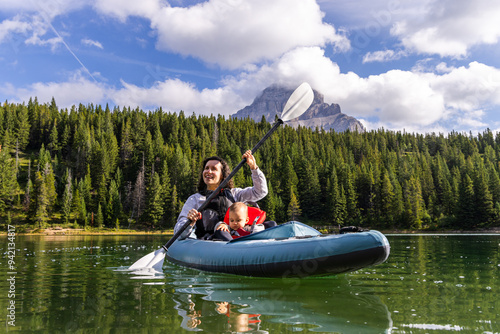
{"x":419,"y":66}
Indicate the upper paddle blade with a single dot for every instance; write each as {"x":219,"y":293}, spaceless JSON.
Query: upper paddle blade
{"x":298,"y":103}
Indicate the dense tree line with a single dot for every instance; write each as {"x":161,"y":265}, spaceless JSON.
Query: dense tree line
{"x":125,"y":167}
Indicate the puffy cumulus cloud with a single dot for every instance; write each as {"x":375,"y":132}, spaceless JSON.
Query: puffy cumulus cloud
{"x":231,"y":33}
{"x":443,"y":100}
{"x":122,"y":9}
{"x":469,"y":93}
{"x":395,"y":98}
{"x":175,"y":95}
{"x":74,"y":91}
{"x":14,"y":26}
{"x":469,"y":88}
{"x":398,"y":98}
{"x":449,"y":27}
{"x":172,"y":95}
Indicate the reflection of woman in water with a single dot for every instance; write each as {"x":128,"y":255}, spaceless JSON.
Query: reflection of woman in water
{"x":186,"y":309}
{"x":238,"y":322}
{"x":218,"y":299}
{"x":199,"y":314}
{"x":194,"y":320}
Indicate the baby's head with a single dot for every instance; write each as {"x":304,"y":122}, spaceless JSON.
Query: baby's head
{"x":238,"y":215}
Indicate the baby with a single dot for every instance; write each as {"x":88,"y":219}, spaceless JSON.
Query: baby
{"x":238,"y":222}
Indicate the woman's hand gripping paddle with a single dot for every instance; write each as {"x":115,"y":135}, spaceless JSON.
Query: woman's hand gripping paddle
{"x":297,"y":104}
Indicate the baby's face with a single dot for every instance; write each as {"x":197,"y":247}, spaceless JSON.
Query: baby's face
{"x":238,"y":218}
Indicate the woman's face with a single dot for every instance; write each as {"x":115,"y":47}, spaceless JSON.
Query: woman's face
{"x":212,"y":174}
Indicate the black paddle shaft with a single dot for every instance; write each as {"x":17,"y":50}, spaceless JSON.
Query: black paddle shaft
{"x":222,"y":184}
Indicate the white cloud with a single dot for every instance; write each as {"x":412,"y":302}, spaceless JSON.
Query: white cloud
{"x":28,"y":29}
{"x":175,"y":95}
{"x":415,"y":101}
{"x":450,"y":27}
{"x":232,"y":33}
{"x":383,"y":56}
{"x":396,"y":100}
{"x":16,"y":25}
{"x":270,"y":47}
{"x":50,"y":8}
{"x":74,"y":91}
{"x":90,"y":42}
{"x":469,"y":89}
{"x":36,"y":20}
{"x":122,"y":9}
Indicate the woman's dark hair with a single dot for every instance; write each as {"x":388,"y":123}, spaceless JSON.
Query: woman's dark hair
{"x":225,"y":173}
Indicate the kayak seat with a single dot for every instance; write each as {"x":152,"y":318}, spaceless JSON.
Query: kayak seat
{"x":253,"y":212}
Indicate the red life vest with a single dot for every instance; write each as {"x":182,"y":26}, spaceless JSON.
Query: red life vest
{"x":253,"y":212}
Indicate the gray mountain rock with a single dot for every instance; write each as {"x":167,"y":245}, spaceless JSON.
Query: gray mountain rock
{"x":319,"y":115}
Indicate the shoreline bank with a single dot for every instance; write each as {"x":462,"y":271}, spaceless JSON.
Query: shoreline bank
{"x":78,"y":232}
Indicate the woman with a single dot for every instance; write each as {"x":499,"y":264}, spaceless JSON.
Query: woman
{"x":215,"y":170}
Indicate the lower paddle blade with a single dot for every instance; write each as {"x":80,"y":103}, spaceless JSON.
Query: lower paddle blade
{"x":157,"y":262}
{"x":298,"y":102}
{"x":151,"y":260}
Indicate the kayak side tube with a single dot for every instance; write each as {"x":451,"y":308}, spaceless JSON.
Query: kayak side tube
{"x":297,"y":256}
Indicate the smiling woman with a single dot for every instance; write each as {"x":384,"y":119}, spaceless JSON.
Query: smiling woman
{"x":214,"y":171}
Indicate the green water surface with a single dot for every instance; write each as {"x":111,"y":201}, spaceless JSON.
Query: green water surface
{"x":74,"y":284}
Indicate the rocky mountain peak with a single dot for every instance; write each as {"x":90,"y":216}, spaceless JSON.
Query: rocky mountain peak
{"x":320,"y":114}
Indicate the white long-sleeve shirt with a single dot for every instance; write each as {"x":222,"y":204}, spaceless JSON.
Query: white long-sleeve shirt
{"x":249,"y":194}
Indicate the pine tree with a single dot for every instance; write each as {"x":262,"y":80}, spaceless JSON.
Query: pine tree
{"x":289,"y":180}
{"x":333,"y":194}
{"x":154,"y":202}
{"x":310,"y":191}
{"x":82,"y":212}
{"x":166,"y":196}
{"x":366,"y":191}
{"x":466,"y":203}
{"x":271,"y":204}
{"x":67,"y":199}
{"x":113,"y":205}
{"x":386,"y":199}
{"x":175,"y":206}
{"x":53,"y":145}
{"x":86,"y":187}
{"x":494,"y":184}
{"x":79,"y":206}
{"x":294,"y":210}
{"x":484,"y":207}
{"x":65,"y":139}
{"x":8,"y":180}
{"x":49,"y":188}
{"x":126,"y":144}
{"x":22,"y":127}
{"x":41,"y":200}
{"x":340,"y":208}
{"x":414,"y":204}
{"x":139,"y":195}
{"x":350,"y":194}
{"x":100,"y":217}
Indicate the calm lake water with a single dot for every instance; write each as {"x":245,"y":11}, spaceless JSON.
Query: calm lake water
{"x":72,"y":284}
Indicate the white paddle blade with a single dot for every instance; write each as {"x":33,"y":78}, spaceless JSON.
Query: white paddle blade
{"x":298,"y":102}
{"x":151,"y":260}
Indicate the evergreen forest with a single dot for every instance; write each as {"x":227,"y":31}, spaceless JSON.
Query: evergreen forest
{"x":96,"y":167}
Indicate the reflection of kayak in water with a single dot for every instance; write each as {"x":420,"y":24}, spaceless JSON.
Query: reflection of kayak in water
{"x":288,"y":250}
{"x":313,"y":304}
